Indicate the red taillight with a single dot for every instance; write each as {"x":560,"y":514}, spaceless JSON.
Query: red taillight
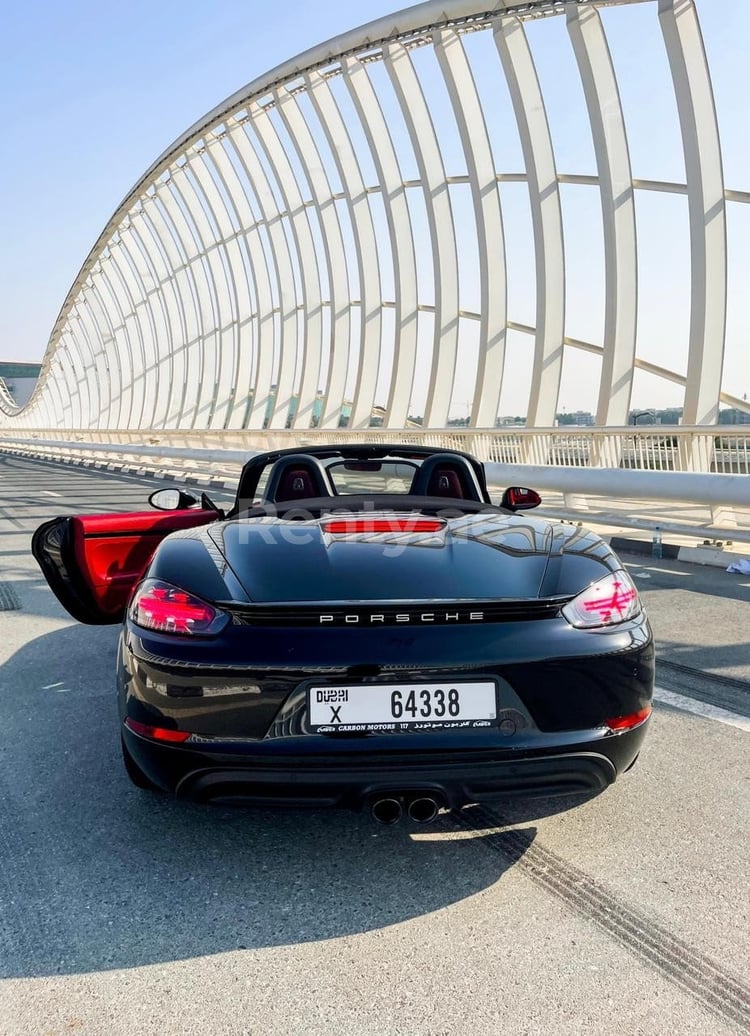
{"x":167,"y":609}
{"x":157,"y":733}
{"x":607,"y":602}
{"x":634,"y":719}
{"x":345,"y":526}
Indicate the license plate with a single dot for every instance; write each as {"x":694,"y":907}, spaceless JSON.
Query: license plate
{"x":403,"y":706}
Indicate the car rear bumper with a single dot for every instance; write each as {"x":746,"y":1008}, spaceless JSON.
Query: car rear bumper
{"x":454,"y":779}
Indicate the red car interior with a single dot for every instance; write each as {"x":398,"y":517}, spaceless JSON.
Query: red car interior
{"x":111,"y":550}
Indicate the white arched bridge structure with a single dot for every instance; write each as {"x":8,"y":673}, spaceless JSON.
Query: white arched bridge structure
{"x":337,"y":245}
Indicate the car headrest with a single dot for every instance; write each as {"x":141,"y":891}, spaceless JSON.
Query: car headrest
{"x":296,"y":484}
{"x":299,"y":477}
{"x":447,"y":475}
{"x":445,"y":482}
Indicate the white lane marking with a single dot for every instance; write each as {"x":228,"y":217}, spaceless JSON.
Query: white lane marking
{"x":643,"y":570}
{"x":701,"y":708}
{"x":52,"y":686}
{"x":49,"y":492}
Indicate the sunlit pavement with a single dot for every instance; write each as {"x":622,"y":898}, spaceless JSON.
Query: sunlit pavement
{"x":125,"y":912}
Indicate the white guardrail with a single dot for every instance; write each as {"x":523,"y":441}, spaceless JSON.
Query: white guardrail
{"x":700,"y":465}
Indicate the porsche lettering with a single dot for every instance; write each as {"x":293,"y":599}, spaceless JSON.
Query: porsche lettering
{"x":373,"y":618}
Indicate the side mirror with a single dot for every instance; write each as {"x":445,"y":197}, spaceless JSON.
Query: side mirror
{"x":515,"y":498}
{"x":171,"y":500}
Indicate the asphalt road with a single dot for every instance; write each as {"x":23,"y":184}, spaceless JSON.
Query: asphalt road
{"x":122,"y":912}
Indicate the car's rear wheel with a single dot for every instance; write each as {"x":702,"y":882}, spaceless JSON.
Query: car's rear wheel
{"x":134,"y":772}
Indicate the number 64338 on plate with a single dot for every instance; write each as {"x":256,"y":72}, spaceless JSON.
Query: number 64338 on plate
{"x":387,"y":706}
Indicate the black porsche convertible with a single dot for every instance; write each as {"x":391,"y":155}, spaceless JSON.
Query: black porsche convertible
{"x":364,"y":628}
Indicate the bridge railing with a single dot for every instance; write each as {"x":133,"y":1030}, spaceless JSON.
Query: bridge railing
{"x":721,"y":449}
{"x":690,"y":465}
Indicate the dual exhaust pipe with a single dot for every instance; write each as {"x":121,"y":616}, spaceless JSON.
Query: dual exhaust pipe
{"x":422,"y":809}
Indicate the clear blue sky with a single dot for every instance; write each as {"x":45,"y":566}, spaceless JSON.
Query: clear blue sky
{"x":92,"y":93}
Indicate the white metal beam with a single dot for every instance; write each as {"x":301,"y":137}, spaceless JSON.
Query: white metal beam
{"x":429,"y":158}
{"x":264,"y":264}
{"x":401,"y":242}
{"x":310,"y":350}
{"x":370,"y":298}
{"x":706,"y":206}
{"x":342,"y":284}
{"x":472,"y":127}
{"x":228,"y":275}
{"x":546,"y":217}
{"x":618,"y":212}
{"x":285,"y":343}
{"x":246,"y":275}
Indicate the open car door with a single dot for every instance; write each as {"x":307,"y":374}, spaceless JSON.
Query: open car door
{"x":92,"y":562}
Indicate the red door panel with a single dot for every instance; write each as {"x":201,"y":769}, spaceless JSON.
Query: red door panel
{"x":92,"y":562}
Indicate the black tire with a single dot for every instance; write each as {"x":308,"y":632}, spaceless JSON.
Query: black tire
{"x":134,"y":772}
